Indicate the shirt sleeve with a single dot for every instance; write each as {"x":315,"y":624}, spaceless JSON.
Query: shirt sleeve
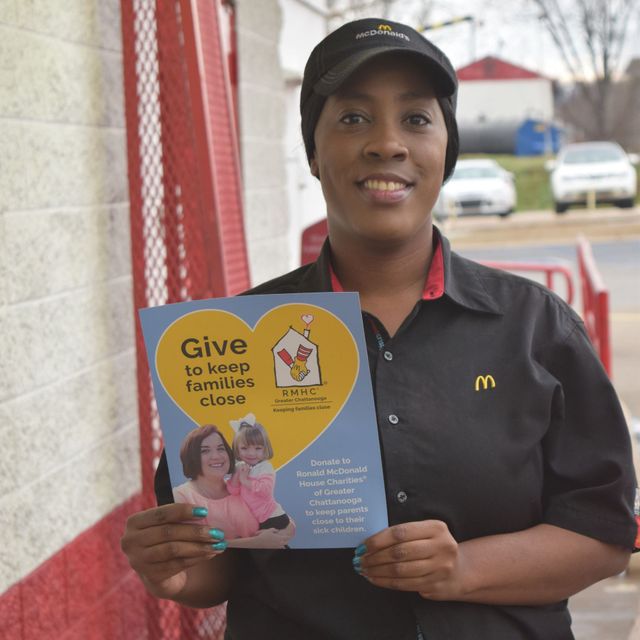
{"x":589,"y":480}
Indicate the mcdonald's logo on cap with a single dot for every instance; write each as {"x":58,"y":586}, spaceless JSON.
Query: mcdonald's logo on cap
{"x":485,"y":382}
{"x":384,"y":27}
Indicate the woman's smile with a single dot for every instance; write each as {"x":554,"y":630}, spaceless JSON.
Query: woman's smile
{"x":385,"y":188}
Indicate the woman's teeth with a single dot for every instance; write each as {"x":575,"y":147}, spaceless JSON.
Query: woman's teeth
{"x":382,"y":185}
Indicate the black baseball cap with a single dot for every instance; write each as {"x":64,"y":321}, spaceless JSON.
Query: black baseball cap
{"x":336,"y":57}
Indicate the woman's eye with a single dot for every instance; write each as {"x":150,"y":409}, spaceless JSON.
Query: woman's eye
{"x":418,"y":120}
{"x":352,"y":118}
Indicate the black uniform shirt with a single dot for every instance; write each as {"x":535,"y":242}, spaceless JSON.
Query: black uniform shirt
{"x":494,"y":415}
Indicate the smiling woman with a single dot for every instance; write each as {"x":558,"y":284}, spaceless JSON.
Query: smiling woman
{"x":507,"y":458}
{"x":380,"y":154}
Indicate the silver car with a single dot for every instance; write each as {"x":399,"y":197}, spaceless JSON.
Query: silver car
{"x":477,"y":187}
{"x":591,"y":172}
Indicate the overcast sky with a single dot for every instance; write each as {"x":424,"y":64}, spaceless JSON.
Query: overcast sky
{"x":509,"y":29}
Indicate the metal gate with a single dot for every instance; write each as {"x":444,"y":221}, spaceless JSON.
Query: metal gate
{"x":187,"y":232}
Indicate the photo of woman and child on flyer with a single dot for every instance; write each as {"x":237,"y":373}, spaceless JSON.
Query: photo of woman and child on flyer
{"x":235,"y":484}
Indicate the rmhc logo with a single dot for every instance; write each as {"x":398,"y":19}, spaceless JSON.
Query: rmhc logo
{"x":485,"y":382}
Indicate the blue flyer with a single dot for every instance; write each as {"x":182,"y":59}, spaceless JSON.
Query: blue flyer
{"x":268,"y":417}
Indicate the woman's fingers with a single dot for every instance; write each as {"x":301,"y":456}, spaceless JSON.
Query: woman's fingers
{"x":166,"y":514}
{"x":181,"y":533}
{"x":161,"y":544}
{"x":168,"y":551}
{"x":407,"y":542}
{"x":399,"y":553}
{"x":420,"y":584}
{"x":177,"y":521}
{"x":161,"y":536}
{"x":405,"y":532}
{"x":406,"y":569}
{"x":413,"y":556}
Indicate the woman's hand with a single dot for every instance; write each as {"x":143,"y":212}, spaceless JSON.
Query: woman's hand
{"x":162,"y":545}
{"x":540,"y":565}
{"x":414,"y":556}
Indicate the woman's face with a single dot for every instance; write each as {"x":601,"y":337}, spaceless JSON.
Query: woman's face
{"x":214,"y":459}
{"x":380,"y":146}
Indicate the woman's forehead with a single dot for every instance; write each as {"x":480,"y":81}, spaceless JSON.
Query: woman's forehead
{"x":213,"y":439}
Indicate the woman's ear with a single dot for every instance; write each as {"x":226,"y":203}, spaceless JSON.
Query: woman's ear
{"x":313,"y":166}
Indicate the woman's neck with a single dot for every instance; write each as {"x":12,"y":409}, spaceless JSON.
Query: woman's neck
{"x":211,"y":488}
{"x":390,"y":280}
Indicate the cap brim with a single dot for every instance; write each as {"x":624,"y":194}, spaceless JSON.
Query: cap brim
{"x":335,"y":77}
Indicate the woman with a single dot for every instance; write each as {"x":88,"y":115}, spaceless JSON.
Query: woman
{"x":507,"y":459}
{"x":206,"y":459}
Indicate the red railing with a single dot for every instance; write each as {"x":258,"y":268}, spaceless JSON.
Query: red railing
{"x":548,"y":269}
{"x":187,"y":235}
{"x":595,"y":303}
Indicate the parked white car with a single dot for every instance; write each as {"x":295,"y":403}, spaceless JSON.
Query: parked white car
{"x":597,"y":171}
{"x":477,"y":187}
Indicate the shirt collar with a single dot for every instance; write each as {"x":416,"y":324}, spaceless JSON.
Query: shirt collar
{"x":434,"y":283}
{"x":463,"y":278}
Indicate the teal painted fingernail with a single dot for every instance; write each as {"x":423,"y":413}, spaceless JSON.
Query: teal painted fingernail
{"x":200,"y":512}
{"x":361,"y":549}
{"x":220,"y":546}
{"x":217,"y":534}
{"x":357,"y":568}
{"x":356,"y":562}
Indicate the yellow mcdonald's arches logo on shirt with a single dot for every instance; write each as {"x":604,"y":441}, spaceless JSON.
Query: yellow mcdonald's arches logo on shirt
{"x":485,"y":382}
{"x":384,"y":27}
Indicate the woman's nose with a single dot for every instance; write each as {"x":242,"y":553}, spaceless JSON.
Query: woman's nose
{"x":385,"y":143}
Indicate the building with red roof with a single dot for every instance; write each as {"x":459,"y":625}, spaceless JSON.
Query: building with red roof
{"x":494,"y":90}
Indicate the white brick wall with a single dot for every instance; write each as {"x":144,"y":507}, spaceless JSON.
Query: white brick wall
{"x":262,"y":126}
{"x":67,"y":369}
{"x":68,"y":415}
{"x":304,"y":25}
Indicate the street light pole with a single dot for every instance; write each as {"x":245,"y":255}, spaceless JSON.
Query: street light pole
{"x":470,"y":19}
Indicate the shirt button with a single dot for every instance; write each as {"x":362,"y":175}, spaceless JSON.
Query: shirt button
{"x":388,"y":356}
{"x":393,"y":419}
{"x":401,"y":497}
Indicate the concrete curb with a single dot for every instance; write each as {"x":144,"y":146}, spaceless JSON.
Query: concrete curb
{"x":538,"y":227}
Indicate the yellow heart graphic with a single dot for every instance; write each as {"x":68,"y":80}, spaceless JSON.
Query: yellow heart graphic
{"x":294,"y":371}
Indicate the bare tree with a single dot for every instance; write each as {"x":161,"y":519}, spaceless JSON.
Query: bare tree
{"x":414,"y":12}
{"x":590,"y":36}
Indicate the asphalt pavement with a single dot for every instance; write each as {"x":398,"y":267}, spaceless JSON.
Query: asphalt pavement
{"x":609,"y":610}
